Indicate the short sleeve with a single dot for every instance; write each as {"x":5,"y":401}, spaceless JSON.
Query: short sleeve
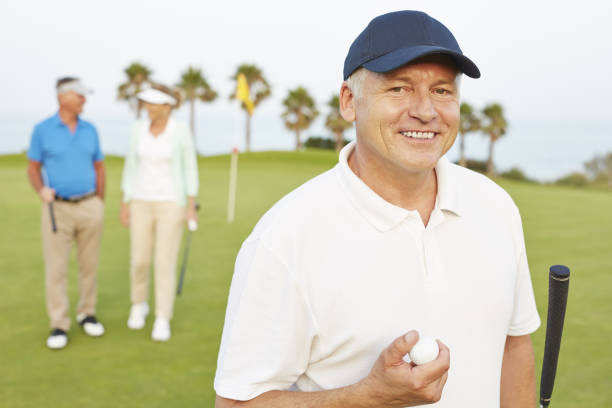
{"x":98,"y":156}
{"x":268,"y":329}
{"x":525,"y":317}
{"x":35,"y":151}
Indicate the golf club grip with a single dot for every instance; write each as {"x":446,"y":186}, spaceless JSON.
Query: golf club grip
{"x":558,"y":285}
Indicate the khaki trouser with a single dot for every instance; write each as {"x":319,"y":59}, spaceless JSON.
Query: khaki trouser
{"x":159,"y":224}
{"x":81,"y":222}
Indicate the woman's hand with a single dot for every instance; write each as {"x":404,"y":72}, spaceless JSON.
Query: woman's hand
{"x":192,"y":213}
{"x":124,"y":215}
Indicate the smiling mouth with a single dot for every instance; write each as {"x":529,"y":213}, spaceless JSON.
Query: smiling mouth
{"x":418,"y":135}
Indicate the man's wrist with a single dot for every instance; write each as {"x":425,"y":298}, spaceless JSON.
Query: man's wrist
{"x":42,"y":191}
{"x":365,"y":393}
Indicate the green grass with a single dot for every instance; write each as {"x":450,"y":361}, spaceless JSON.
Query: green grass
{"x":125,"y":368}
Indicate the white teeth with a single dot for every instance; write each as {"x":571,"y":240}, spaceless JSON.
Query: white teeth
{"x":419,"y":135}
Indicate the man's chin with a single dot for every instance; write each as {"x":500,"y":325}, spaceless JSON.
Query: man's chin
{"x":420,"y":164}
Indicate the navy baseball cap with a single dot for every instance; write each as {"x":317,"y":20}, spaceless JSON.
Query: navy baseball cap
{"x":397,"y":38}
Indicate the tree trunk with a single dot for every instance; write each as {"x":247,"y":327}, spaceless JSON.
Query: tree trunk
{"x":298,"y":142}
{"x":462,"y":149}
{"x":192,"y":117}
{"x":248,"y":132}
{"x":490,"y":167}
{"x":339,"y":140}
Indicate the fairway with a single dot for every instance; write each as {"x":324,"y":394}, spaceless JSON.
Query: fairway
{"x":126,"y":369}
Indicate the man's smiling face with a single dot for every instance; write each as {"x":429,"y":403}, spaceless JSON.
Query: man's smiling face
{"x":406,"y":119}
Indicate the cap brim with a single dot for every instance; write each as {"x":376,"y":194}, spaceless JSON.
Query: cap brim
{"x":402,"y":56}
{"x":158,"y":101}
{"x":83,"y":91}
{"x":79,"y":89}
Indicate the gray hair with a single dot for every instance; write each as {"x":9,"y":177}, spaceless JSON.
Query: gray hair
{"x":355,"y":81}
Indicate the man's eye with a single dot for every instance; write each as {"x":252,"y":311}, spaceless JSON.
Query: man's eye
{"x":442,"y":91}
{"x":397,"y":89}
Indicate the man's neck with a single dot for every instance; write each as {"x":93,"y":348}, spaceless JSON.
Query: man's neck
{"x":68,"y":118}
{"x":408,"y":190}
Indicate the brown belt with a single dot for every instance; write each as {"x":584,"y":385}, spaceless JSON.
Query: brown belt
{"x":74,"y":199}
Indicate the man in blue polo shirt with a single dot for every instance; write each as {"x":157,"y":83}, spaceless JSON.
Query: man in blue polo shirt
{"x":66,"y":169}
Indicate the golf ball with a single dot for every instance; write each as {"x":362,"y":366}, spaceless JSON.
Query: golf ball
{"x":424,"y":351}
{"x":192,"y":225}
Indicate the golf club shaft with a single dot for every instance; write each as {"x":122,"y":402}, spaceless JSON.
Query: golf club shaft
{"x":179,"y":288}
{"x":558,"y":285}
{"x":184,"y":265}
{"x":52,"y":215}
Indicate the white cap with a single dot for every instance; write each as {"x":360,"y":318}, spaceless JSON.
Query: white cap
{"x":76,"y":86}
{"x":156,"y":97}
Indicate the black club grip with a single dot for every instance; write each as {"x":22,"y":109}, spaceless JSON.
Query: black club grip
{"x":558,"y":285}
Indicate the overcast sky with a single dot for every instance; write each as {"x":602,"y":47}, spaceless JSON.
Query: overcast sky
{"x":539,"y":58}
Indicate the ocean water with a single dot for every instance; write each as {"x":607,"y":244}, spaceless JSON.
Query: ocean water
{"x":544,"y":149}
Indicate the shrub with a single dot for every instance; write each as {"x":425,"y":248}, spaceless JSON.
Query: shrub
{"x":476,"y":165}
{"x":575,"y":179}
{"x":516,"y":174}
{"x":322,"y":143}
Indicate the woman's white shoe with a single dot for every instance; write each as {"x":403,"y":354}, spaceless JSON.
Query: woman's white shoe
{"x":138,"y":316}
{"x":161,"y":330}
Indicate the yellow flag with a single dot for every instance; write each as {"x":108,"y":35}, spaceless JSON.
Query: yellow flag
{"x":243,"y":94}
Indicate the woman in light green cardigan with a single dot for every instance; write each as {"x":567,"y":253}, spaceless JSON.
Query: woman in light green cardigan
{"x":160,"y":185}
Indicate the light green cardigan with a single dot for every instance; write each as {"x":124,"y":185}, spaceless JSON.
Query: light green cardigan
{"x":184,"y":163}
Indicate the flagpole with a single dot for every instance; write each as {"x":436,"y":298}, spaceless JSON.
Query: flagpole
{"x":243,"y":95}
{"x":231,"y":200}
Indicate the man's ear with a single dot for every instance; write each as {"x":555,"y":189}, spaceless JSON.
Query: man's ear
{"x":347,"y":103}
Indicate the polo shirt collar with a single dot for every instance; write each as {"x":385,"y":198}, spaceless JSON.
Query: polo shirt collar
{"x":448,"y":197}
{"x":383,"y":215}
{"x":58,"y":121}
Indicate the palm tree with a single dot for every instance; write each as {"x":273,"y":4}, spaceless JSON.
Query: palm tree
{"x":259,"y":90}
{"x":335,"y":122}
{"x":495,"y":126}
{"x":300,"y":112}
{"x":138,"y":76}
{"x":195,"y":87}
{"x":469,"y":122}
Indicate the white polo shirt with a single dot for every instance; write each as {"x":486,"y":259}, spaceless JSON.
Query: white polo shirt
{"x":333,"y":273}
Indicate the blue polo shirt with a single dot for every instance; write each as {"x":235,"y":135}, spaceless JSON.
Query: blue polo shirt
{"x":68,"y":158}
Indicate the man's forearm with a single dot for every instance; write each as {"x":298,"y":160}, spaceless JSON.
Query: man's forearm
{"x":100,"y":179}
{"x":352,"y":396}
{"x":518,"y":388}
{"x":35,"y":177}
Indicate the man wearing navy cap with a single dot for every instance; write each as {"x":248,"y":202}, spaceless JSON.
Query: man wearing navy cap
{"x":66,"y":169}
{"x":338,"y":281}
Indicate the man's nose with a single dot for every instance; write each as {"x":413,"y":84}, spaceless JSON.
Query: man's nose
{"x":422,"y":107}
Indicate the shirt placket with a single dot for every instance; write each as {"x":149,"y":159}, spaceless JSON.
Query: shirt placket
{"x":436,"y":280}
{"x":434,"y":276}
